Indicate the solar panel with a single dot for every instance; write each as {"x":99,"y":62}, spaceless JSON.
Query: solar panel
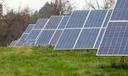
{"x":67,"y":39}
{"x":96,"y":18}
{"x":31,"y":38}
{"x":71,"y":30}
{"x":40,"y":23}
{"x":55,"y":38}
{"x":108,"y":18}
{"x":121,"y":4}
{"x":121,"y":10}
{"x":97,"y":43}
{"x":45,"y":37}
{"x":49,"y":30}
{"x":23,"y":37}
{"x":115,"y":40}
{"x":88,"y":35}
{"x":87,"y":39}
{"x":77,"y":19}
{"x":33,"y":34}
{"x":63,"y":23}
{"x":58,"y":31}
{"x":29,"y":28}
{"x":22,"y":40}
{"x":53,"y":22}
{"x":12,"y":44}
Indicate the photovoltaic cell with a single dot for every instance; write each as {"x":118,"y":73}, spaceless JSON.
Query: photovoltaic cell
{"x":77,"y":19}
{"x":23,"y":37}
{"x":108,"y":18}
{"x":115,"y":41}
{"x":56,"y":37}
{"x":87,"y":39}
{"x":67,"y":40}
{"x":90,"y":33}
{"x":29,"y":28}
{"x":63,"y":23}
{"x":121,"y":10}
{"x":53,"y":22}
{"x":99,"y":38}
{"x":120,"y":14}
{"x":22,"y":40}
{"x":121,"y":4}
{"x":96,"y":18}
{"x":45,"y":37}
{"x":33,"y":35}
{"x":40,"y":23}
{"x":12,"y":44}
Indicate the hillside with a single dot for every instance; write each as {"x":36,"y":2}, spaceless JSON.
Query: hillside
{"x":44,"y":61}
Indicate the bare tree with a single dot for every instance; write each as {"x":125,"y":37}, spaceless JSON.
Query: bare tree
{"x":63,"y":6}
{"x":106,"y":4}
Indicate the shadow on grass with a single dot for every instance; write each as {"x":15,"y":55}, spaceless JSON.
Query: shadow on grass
{"x":114,"y":65}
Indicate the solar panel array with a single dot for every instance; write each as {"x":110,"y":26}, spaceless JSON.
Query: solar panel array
{"x":115,"y":39}
{"x":105,"y":30}
{"x":84,"y":30}
{"x":121,"y":10}
{"x":115,"y":42}
{"x":48,"y":31}
{"x":23,"y":37}
{"x":30,"y":40}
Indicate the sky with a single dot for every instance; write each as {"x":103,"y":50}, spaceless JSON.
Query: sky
{"x":37,"y":4}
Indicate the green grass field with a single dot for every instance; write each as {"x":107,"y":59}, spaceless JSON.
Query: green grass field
{"x":44,"y":61}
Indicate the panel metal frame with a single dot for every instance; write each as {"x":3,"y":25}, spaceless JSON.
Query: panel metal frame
{"x":81,"y":30}
{"x":20,"y":39}
{"x":109,"y":54}
{"x":103,"y":38}
{"x":48,"y":29}
{"x":100,"y":28}
{"x":55,"y":30}
{"x":41,"y":19}
{"x":55,"y":48}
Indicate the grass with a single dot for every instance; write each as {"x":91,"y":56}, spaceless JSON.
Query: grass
{"x":44,"y":61}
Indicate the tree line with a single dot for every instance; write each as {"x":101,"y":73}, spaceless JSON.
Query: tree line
{"x":13,"y":24}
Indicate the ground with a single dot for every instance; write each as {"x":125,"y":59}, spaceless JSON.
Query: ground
{"x":44,"y":61}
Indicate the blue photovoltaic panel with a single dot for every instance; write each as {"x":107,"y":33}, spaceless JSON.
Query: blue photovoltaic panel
{"x":33,"y":35}
{"x":40,"y":23}
{"x":13,"y":43}
{"x":107,"y":18}
{"x":53,"y":22}
{"x":68,"y":38}
{"x":121,"y":4}
{"x":56,"y":37}
{"x":87,"y":39}
{"x":99,"y":38}
{"x":96,"y":18}
{"x":29,"y":43}
{"x":115,"y":41}
{"x":22,"y":40}
{"x":45,"y":37}
{"x":29,"y":28}
{"x":120,"y":14}
{"x":63,"y":23}
{"x":121,"y":10}
{"x":77,"y":19}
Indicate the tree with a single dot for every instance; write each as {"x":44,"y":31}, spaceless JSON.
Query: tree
{"x":13,"y":25}
{"x":57,"y":7}
{"x":98,"y":4}
{"x":63,"y":6}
